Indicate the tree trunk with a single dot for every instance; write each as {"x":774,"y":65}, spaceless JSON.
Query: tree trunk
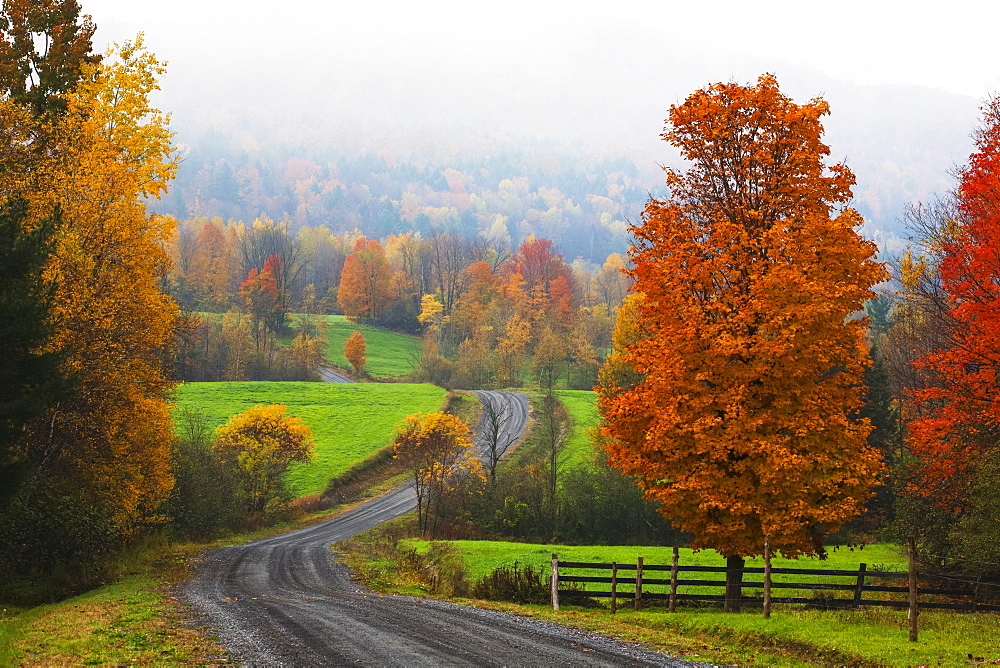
{"x":734,"y":583}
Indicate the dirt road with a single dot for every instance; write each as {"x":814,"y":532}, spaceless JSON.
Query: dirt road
{"x":284,"y":601}
{"x":328,"y":375}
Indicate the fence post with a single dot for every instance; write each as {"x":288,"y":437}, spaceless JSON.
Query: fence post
{"x":975,"y":593}
{"x":638,"y":584}
{"x":614,"y":587}
{"x":767,"y":577}
{"x":555,"y":582}
{"x":859,"y":587}
{"x":912,"y":559}
{"x":673,"y":580}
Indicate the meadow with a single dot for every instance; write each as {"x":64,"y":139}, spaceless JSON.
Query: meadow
{"x":483,"y":556}
{"x":390,"y":354}
{"x":349,"y":421}
{"x":582,"y":408}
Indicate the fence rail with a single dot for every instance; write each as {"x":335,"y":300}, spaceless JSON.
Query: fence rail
{"x":973,"y":594}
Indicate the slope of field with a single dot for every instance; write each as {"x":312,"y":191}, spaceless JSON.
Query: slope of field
{"x":350,"y":422}
{"x":390,"y":354}
{"x":582,"y":408}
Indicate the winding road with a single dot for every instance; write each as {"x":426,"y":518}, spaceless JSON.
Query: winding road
{"x":328,"y":375}
{"x":285,"y":601}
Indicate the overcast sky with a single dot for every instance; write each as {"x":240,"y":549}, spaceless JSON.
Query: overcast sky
{"x":590,"y":76}
{"x":540,"y":66}
{"x":948,"y":45}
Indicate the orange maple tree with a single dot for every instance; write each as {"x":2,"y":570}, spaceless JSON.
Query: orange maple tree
{"x":354,"y":351}
{"x":367,"y":283}
{"x":747,"y":366}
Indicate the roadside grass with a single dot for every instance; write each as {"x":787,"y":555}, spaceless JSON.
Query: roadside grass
{"x":132,"y":621}
{"x":350,"y":421}
{"x":390,"y":354}
{"x":135,"y":620}
{"x":793,"y":636}
{"x":582,"y":408}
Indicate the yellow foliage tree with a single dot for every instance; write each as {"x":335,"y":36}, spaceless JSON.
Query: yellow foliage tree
{"x":114,"y":152}
{"x":617,"y":375}
{"x":440,"y":455}
{"x":259,"y":444}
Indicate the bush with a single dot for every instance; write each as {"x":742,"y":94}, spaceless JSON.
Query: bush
{"x":442,"y":569}
{"x":599,"y":505}
{"x":977,"y":533}
{"x":53,"y":543}
{"x":513,"y":584}
{"x":204,"y":500}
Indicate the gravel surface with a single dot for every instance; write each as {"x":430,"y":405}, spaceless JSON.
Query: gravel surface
{"x":284,"y":601}
{"x":331,"y":376}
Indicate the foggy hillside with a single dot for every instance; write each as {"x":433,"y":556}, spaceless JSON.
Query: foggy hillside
{"x":562,"y":101}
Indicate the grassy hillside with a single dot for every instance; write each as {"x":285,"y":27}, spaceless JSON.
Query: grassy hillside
{"x":582,"y":408}
{"x":390,"y":354}
{"x":349,"y":421}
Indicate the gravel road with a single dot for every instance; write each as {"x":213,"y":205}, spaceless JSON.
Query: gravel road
{"x":331,"y":376}
{"x":284,"y":601}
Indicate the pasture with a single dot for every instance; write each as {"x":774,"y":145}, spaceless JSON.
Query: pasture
{"x":349,"y":421}
{"x":582,"y":408}
{"x":390,"y":354}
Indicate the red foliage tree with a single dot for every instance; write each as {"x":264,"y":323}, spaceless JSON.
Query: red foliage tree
{"x":539,"y":264}
{"x":262,"y":299}
{"x":959,"y":404}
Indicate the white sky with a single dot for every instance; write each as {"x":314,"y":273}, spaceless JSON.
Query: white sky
{"x":596,"y":74}
{"x":948,"y":45}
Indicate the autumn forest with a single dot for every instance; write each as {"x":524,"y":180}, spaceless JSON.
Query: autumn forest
{"x":766,"y":378}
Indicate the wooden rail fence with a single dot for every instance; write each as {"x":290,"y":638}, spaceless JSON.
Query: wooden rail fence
{"x":945,"y":592}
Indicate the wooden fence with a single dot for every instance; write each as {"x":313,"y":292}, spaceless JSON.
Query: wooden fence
{"x":939,"y":591}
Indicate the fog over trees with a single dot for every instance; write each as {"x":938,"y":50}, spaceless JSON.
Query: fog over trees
{"x":562,"y":98}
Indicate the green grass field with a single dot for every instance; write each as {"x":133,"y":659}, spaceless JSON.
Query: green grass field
{"x":582,"y":408}
{"x":796,"y":635}
{"x":483,"y":556}
{"x":390,"y":354}
{"x":350,"y":421}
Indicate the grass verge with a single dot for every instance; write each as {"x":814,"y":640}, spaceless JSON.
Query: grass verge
{"x":133,"y":621}
{"x":136,"y":620}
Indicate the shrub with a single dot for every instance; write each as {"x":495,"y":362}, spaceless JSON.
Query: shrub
{"x":510,"y":583}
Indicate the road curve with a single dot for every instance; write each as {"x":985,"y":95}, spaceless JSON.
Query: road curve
{"x":284,"y":601}
{"x":328,"y":375}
